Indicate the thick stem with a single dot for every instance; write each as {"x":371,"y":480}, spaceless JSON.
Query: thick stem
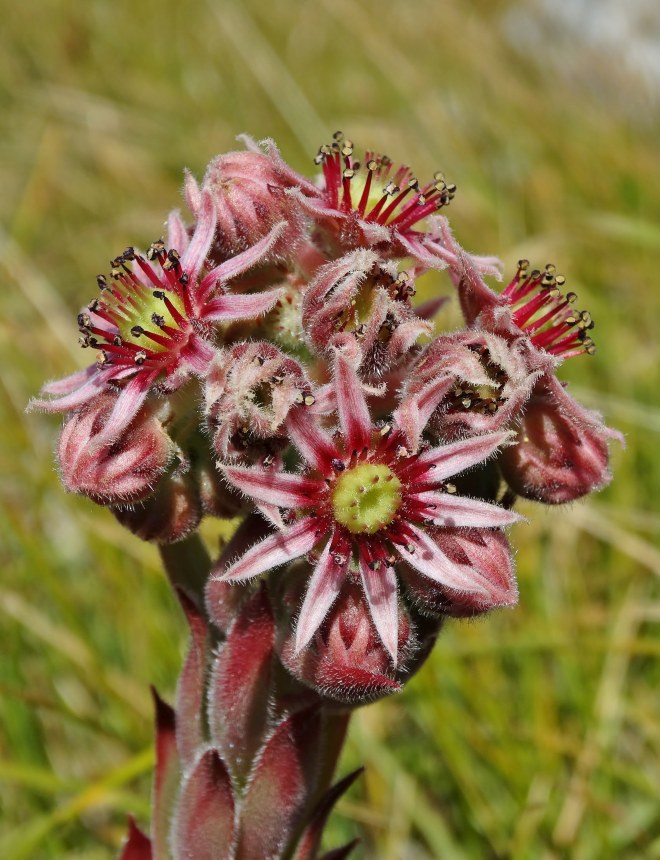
{"x":187,"y":564}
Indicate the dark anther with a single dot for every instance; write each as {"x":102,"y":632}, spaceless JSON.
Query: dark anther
{"x":140,"y":357}
{"x":158,"y":294}
{"x":184,"y":278}
{"x":84,"y":321}
{"x":158,"y":320}
{"x":101,"y":282}
{"x":172,"y":261}
{"x":129,"y":253}
{"x":93,"y":305}
{"x":338,"y":465}
{"x":116,"y":340}
{"x":137,"y":330}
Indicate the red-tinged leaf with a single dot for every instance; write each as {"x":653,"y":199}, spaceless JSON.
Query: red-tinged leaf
{"x":166,"y":777}
{"x":341,"y":853}
{"x":137,"y":846}
{"x":309,"y":842}
{"x":240,"y":686}
{"x":190,"y":688}
{"x":223,"y":598}
{"x":203,"y":828}
{"x":280,"y":787}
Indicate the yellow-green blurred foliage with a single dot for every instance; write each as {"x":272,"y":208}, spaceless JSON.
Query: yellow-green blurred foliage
{"x":532,"y":734}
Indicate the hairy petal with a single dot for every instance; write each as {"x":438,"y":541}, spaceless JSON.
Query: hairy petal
{"x":428,"y":559}
{"x":275,"y":488}
{"x":275,"y":550}
{"x":457,"y":511}
{"x":240,"y":306}
{"x":449,"y":460}
{"x":352,"y":406}
{"x":315,"y":446}
{"x":381,"y":592}
{"x":324,"y":586}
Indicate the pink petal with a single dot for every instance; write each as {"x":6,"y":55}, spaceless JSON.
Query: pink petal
{"x":458,"y":511}
{"x":285,"y":170}
{"x":126,"y":408}
{"x":429,"y":559}
{"x":380,"y":589}
{"x":191,"y":192}
{"x":74,"y":399}
{"x":324,"y":586}
{"x":315,"y":446}
{"x":177,"y":235}
{"x":241,"y":262}
{"x":283,"y":489}
{"x":195,"y":357}
{"x":352,"y":406}
{"x":196,"y":252}
{"x":275,"y":550}
{"x":452,"y":459}
{"x":413,"y":414}
{"x":70,"y":383}
{"x":240,"y":306}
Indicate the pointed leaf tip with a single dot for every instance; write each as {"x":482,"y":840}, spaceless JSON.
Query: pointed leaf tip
{"x":203,"y":827}
{"x":310,"y":839}
{"x":137,"y":845}
{"x":341,"y":853}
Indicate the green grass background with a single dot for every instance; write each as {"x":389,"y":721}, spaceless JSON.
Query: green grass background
{"x":533,"y":734}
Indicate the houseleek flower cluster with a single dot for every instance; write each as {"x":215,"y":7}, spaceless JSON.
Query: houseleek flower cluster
{"x":267,"y":360}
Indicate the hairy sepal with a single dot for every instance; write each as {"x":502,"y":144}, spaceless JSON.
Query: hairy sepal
{"x":280,"y":787}
{"x":240,"y":684}
{"x":204,"y":825}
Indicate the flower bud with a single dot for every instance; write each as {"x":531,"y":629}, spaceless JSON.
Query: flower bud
{"x":365,"y":298}
{"x":169,"y":515}
{"x":466,"y":384}
{"x":248,"y":189}
{"x":561,"y":453}
{"x":488,"y":555}
{"x":111,"y":473}
{"x":346,"y":660}
{"x":250,"y":389}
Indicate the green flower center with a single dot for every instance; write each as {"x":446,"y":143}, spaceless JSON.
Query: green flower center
{"x":151,"y":314}
{"x":366,"y":498}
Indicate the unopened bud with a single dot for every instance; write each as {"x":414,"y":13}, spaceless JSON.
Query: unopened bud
{"x":125,"y":470}
{"x":346,"y":660}
{"x":561,"y":453}
{"x":169,"y":515}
